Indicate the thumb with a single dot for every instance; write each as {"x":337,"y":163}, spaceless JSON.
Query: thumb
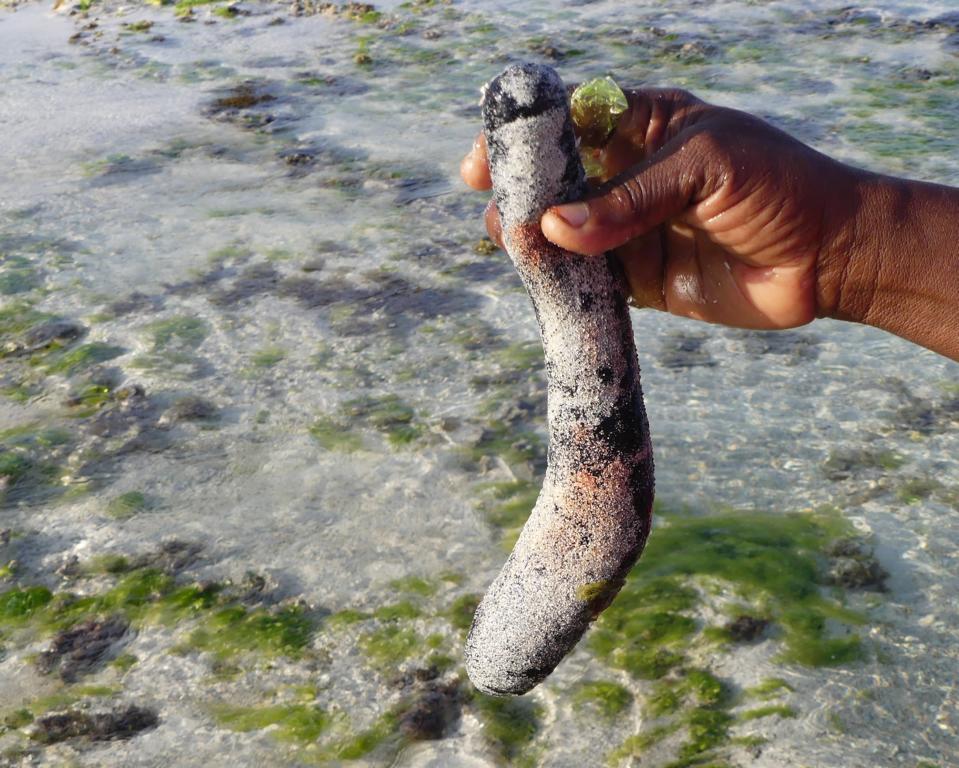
{"x":659,"y":188}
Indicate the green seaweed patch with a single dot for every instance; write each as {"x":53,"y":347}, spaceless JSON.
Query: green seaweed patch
{"x":345,"y":618}
{"x":917,"y":489}
{"x":707,"y":689}
{"x":186,"y":602}
{"x":90,"y":398}
{"x":522,"y":356}
{"x":147,"y":595}
{"x":414,"y":585}
{"x":507,"y":506}
{"x":17,"y":318}
{"x":302,"y":723}
{"x":843,"y":463}
{"x":19,"y":604}
{"x":636,"y":746}
{"x":236,"y":629}
{"x":461,"y":610}
{"x":29,"y":457}
{"x":60,"y":700}
{"x":644,"y":629}
{"x":608,"y":698}
{"x":357,"y":746}
{"x":141,"y":26}
{"x":809,"y":643}
{"x":770,"y":688}
{"x":185,"y":7}
{"x":110,"y":563}
{"x":127,"y":505}
{"x":777,"y":710}
{"x":665,"y":699}
{"x":72,"y":361}
{"x":510,"y":726}
{"x":696,"y":687}
{"x":17,"y":275}
{"x":512,"y":501}
{"x":334,"y":435}
{"x":124,"y":662}
{"x":268,"y":357}
{"x":20,"y":391}
{"x":707,"y":730}
{"x":179,"y":333}
{"x":19,"y":718}
{"x":774,"y":561}
{"x":133,"y":596}
{"x":390,"y":645}
{"x":13,"y":467}
{"x":387,"y":414}
{"x":404,"y":610}
{"x":516,"y":447}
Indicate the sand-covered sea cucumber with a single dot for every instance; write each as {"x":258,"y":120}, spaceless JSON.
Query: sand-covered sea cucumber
{"x":593,"y":513}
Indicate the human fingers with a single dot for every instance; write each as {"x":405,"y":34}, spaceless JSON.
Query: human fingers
{"x":643,"y":261}
{"x":493,"y":225}
{"x":654,"y":116}
{"x":475,"y":166}
{"x":661,"y":187}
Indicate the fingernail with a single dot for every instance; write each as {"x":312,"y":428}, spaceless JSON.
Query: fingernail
{"x":574,"y":214}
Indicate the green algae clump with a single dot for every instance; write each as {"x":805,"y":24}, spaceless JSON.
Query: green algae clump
{"x":608,"y":698}
{"x":768,"y":711}
{"x":460,"y":613}
{"x":236,"y":629}
{"x":293,"y":722}
{"x":82,"y":357}
{"x":127,"y":505}
{"x":509,"y":726}
{"x":774,"y":561}
{"x":19,"y":604}
{"x":389,"y":645}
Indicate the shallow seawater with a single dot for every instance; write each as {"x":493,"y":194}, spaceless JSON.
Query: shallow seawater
{"x":271,"y":409}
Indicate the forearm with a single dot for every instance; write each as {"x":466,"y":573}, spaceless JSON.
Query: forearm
{"x":900,"y":267}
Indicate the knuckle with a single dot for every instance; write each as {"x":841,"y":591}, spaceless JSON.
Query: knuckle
{"x":707,"y":143}
{"x":629,"y":198}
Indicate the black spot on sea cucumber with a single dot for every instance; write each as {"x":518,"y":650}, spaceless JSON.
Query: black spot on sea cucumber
{"x":500,"y":106}
{"x":622,"y":430}
{"x":586,"y":300}
{"x":605,"y":374}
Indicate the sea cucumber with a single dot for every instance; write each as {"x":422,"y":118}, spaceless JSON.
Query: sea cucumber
{"x":593,"y":514}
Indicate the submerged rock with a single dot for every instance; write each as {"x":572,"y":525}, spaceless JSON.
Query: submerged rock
{"x":102,"y":726}
{"x":190,"y":408}
{"x":82,"y":648}
{"x":59,"y":333}
{"x":854,"y":566}
{"x":171,"y":556}
{"x":254,"y":280}
{"x":745,"y":628}
{"x":432,"y":712}
{"x":137,"y":302}
{"x":53,"y":331}
{"x":858,"y":573}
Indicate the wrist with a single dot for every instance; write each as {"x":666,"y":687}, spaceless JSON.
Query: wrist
{"x":894,"y":264}
{"x":854,"y":237}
